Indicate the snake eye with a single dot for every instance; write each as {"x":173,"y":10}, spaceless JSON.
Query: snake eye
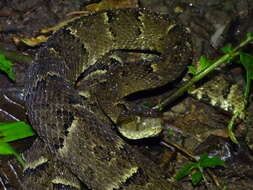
{"x":139,"y":127}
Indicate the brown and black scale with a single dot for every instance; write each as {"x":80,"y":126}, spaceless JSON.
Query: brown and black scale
{"x":76,"y":149}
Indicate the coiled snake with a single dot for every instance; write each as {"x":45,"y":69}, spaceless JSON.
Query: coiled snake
{"x":77,"y":149}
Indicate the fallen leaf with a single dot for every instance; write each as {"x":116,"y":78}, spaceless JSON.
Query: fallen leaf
{"x":109,"y":4}
{"x":59,"y":25}
{"x":34,"y":41}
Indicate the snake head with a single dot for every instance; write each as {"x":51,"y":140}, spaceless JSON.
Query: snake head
{"x":138,"y":126}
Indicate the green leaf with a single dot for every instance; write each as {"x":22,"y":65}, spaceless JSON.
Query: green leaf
{"x":192,"y":70}
{"x":15,"y":130}
{"x":6,"y":66}
{"x":249,"y":35}
{"x":6,"y":149}
{"x":203,"y":156}
{"x":247,"y":62}
{"x":206,"y":161}
{"x":227,"y":49}
{"x":212,"y":162}
{"x":171,"y":132}
{"x":196,"y":177}
{"x":146,"y":106}
{"x":184,"y":171}
{"x":204,"y":63}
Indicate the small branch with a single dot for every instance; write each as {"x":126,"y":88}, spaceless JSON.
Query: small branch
{"x":192,"y":157}
{"x":231,"y":126}
{"x":180,"y":148}
{"x":201,"y":75}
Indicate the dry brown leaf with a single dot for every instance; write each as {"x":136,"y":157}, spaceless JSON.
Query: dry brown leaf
{"x":109,"y":4}
{"x":58,"y":26}
{"x":104,"y":4}
{"x":31,"y":41}
{"x":41,"y":38}
{"x":34,"y":41}
{"x":80,"y":13}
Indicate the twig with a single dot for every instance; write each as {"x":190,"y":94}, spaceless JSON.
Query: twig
{"x":192,"y":157}
{"x":201,"y":75}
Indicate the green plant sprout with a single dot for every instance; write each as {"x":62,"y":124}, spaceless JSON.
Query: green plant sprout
{"x":6,"y":66}
{"x":13,"y":131}
{"x":6,"y":149}
{"x":146,"y":106}
{"x":196,"y":169}
{"x":10,"y":132}
{"x":206,"y":66}
{"x":247,"y":61}
{"x":170,"y":132}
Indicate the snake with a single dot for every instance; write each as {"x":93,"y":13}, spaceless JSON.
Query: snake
{"x":77,"y":145}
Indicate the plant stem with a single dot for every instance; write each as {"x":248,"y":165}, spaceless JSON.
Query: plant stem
{"x":247,"y":88}
{"x":203,"y":175}
{"x":201,"y":75}
{"x":231,"y":126}
{"x":20,"y":160}
{"x":185,"y":87}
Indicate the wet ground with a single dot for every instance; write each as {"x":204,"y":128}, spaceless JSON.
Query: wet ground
{"x":199,"y":127}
